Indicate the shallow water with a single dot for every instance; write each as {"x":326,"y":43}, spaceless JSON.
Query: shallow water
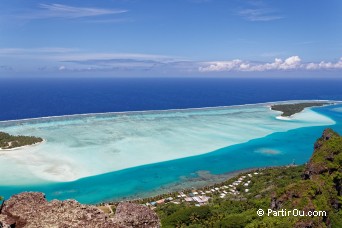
{"x":134,"y":154}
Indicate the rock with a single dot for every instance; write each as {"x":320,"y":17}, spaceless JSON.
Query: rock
{"x":321,"y":180}
{"x":327,"y":134}
{"x":314,"y":167}
{"x":304,"y":224}
{"x":6,"y":222}
{"x":132,"y":215}
{"x":275,"y":205}
{"x":31,"y":209}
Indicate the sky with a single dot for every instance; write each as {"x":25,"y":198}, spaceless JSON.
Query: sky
{"x":171,"y":38}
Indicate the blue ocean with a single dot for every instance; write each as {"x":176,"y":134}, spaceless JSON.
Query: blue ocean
{"x":30,"y":98}
{"x":267,"y":144}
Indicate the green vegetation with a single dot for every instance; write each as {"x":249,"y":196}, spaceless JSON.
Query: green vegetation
{"x":316,"y":186}
{"x":290,"y":109}
{"x":8,"y":141}
{"x":1,"y":203}
{"x":232,"y":211}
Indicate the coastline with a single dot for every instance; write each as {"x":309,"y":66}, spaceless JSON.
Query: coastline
{"x":267,"y":104}
{"x":281,"y":117}
{"x":110,"y":187}
{"x":190,"y":184}
{"x":23,"y":147}
{"x":155,"y":178}
{"x":194,"y":140}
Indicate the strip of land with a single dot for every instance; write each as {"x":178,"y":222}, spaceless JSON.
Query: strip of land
{"x":291,"y":109}
{"x":8,"y":141}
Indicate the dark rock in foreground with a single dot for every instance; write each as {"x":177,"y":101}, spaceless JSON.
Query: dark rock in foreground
{"x":31,"y":209}
{"x":133,"y":215}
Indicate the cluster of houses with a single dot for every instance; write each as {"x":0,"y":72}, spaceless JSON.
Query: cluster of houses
{"x":201,"y":197}
{"x":232,"y":188}
{"x":240,"y":181}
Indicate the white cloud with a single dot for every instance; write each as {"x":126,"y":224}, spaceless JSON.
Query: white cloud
{"x":65,"y":11}
{"x":73,"y":54}
{"x":59,"y":10}
{"x":291,"y":63}
{"x":259,"y":11}
{"x":324,"y":65}
{"x":66,"y":59}
{"x":75,"y":60}
{"x":259,"y":15}
{"x":223,"y":65}
{"x":15,"y":51}
{"x":109,"y":21}
{"x":68,"y":56}
{"x":85,"y":56}
{"x":61,"y":68}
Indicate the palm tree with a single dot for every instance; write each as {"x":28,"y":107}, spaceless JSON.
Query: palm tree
{"x":193,"y":218}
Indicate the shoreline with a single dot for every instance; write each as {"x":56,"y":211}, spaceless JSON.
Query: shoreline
{"x":73,"y":171}
{"x":23,"y":147}
{"x":289,"y":110}
{"x":225,"y":177}
{"x":267,"y":104}
{"x":56,"y":169}
{"x":184,"y":185}
{"x":281,"y":117}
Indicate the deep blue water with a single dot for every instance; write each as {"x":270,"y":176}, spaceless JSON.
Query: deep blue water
{"x":35,"y":98}
{"x":28,"y":98}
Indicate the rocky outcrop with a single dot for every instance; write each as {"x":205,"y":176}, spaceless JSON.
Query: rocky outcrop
{"x":320,"y":187}
{"x":322,"y":157}
{"x":132,"y":215}
{"x":31,"y":209}
{"x":6,"y":222}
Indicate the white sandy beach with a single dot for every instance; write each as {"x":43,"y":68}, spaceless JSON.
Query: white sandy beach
{"x":90,"y":145}
{"x":22,"y":147}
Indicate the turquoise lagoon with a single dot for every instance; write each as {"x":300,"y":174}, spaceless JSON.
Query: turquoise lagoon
{"x":101,"y":157}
